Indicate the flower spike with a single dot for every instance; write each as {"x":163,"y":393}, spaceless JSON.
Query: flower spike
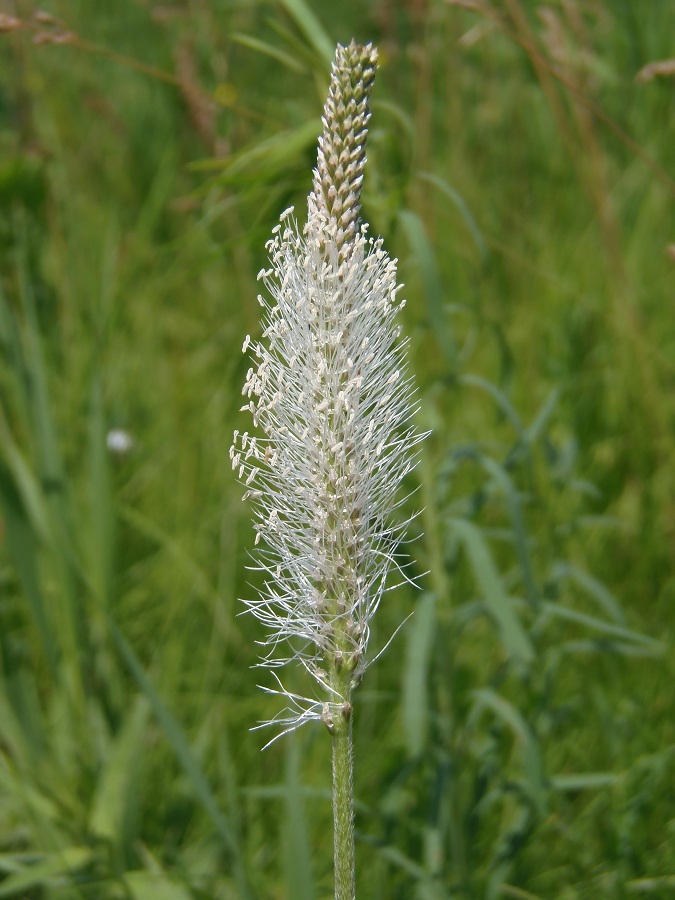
{"x":332,"y":403}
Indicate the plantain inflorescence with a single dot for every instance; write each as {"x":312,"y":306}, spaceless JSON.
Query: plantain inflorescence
{"x":332,"y":405}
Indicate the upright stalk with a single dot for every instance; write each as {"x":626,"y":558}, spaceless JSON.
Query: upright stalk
{"x":343,"y":805}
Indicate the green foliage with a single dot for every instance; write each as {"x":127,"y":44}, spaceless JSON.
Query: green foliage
{"x":516,"y":739}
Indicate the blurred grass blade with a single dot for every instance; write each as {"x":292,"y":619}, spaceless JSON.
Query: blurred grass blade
{"x":153,"y":532}
{"x":264,"y":160}
{"x":534,"y":430}
{"x":500,"y":399}
{"x":593,"y":588}
{"x":486,"y":698}
{"x":398,"y":113}
{"x":425,"y":259}
{"x":655,"y":885}
{"x":533,"y":769}
{"x":426,"y":886}
{"x":513,"y":637}
{"x":14,"y":387}
{"x":25,"y":485}
{"x":184,"y":754}
{"x":16,"y":790}
{"x":23,"y":547}
{"x":16,"y":739}
{"x":46,"y":493}
{"x":47,"y":872}
{"x":464,"y":211}
{"x":403,"y":862}
{"x":227,"y":767}
{"x":583,"y":781}
{"x":295,"y":837}
{"x":270,"y":50}
{"x":418,"y":659}
{"x":514,"y":506}
{"x":618,"y":648}
{"x":302,"y":50}
{"x":51,"y":468}
{"x":117,"y":786}
{"x":154,"y":886}
{"x":555,"y":610}
{"x":312,"y":29}
{"x":100,"y":535}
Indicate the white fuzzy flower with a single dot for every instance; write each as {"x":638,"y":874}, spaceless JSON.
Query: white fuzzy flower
{"x":119,"y":442}
{"x":333,"y":403}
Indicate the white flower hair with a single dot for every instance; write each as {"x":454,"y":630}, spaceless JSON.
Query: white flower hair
{"x":333,"y":404}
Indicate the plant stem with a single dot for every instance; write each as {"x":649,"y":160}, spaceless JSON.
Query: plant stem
{"x":343,"y":805}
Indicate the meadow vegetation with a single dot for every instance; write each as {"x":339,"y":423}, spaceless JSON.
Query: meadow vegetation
{"x":518,"y":737}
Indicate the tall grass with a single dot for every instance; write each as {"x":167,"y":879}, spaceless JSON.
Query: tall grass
{"x":517,"y":739}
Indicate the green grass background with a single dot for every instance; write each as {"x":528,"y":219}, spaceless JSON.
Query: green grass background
{"x":518,"y":737}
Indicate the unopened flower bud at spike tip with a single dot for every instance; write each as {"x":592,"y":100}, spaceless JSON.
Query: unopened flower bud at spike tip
{"x":345,"y":115}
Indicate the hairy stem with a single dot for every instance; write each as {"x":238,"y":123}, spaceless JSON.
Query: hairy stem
{"x":343,"y":805}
